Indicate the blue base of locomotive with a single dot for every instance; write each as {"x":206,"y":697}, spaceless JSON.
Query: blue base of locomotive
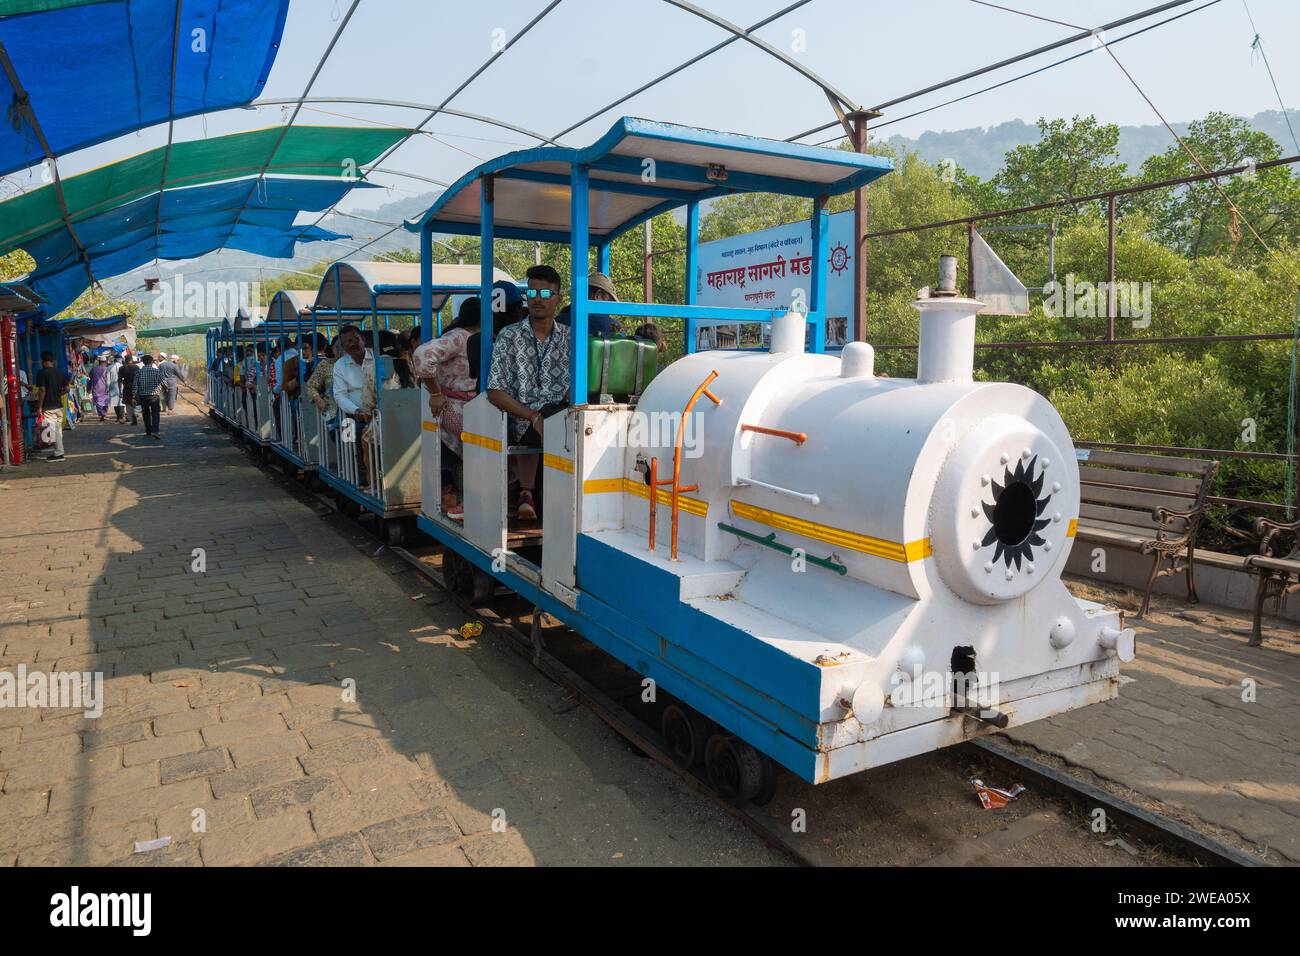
{"x":755,"y":716}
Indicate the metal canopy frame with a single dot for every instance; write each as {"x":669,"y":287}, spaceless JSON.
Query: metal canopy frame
{"x":690,"y":167}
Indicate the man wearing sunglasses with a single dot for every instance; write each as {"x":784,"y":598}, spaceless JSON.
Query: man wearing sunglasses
{"x":529,"y":378}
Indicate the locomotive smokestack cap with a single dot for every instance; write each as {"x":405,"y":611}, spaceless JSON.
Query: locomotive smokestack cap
{"x":947,"y":349}
{"x":947,"y":277}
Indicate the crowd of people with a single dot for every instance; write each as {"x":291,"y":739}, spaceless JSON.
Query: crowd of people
{"x":528,"y":378}
{"x":100,"y":384}
{"x":337,"y":376}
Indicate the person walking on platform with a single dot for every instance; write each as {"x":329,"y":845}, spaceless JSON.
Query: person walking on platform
{"x":125,"y":385}
{"x":172,"y":378}
{"x":51,"y":386}
{"x":99,"y":387}
{"x":148,"y":383}
{"x":115,"y":387}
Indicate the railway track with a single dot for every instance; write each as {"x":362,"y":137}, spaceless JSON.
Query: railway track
{"x":508,"y":621}
{"x":1123,"y":817}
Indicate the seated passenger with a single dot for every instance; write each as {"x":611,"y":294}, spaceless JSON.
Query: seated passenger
{"x":652,"y":332}
{"x":600,"y":288}
{"x":443,"y":366}
{"x":507,"y":308}
{"x":351,"y":372}
{"x":529,"y":378}
{"x":320,"y":382}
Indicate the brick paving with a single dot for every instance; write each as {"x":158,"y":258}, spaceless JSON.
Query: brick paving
{"x":289,"y":704}
{"x":1184,"y":734}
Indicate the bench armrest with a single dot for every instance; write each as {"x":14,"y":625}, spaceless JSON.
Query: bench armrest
{"x":1266,"y":529}
{"x":1163,"y":515}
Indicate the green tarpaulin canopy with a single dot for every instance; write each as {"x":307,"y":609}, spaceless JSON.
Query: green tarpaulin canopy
{"x":305,"y":151}
{"x":175,"y":330}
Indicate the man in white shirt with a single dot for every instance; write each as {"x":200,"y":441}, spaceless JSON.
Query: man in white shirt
{"x":350,"y":373}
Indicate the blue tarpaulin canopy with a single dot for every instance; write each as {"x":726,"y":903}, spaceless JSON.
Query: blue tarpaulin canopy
{"x":251,"y":215}
{"x":84,"y":72}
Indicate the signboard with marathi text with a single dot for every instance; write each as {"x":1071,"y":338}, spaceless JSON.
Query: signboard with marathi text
{"x":772,"y":270}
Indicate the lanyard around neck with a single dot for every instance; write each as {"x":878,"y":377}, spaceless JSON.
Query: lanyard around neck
{"x":540,"y":353}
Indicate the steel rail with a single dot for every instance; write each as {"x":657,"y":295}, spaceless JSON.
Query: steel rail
{"x":1028,"y":54}
{"x":284,"y":129}
{"x":442,"y":107}
{"x":684,"y":65}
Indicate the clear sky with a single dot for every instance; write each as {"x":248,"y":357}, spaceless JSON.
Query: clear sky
{"x":586,"y":53}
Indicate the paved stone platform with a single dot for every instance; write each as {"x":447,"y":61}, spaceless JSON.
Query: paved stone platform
{"x":230,"y":725}
{"x":1205,"y":729}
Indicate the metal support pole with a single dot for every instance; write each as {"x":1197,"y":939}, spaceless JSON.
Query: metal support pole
{"x":426,"y":284}
{"x":648,"y":264}
{"x":970,"y":260}
{"x":1110,"y":268}
{"x":487,"y":232}
{"x":821,"y":228}
{"x":858,"y":120}
{"x":692,"y":254}
{"x":578,"y":228}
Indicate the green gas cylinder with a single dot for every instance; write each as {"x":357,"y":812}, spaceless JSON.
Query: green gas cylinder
{"x":620,"y":367}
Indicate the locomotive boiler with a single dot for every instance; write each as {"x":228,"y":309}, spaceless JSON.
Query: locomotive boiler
{"x":840,"y":568}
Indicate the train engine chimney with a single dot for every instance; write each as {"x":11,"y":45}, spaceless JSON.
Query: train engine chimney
{"x":947,"y":349}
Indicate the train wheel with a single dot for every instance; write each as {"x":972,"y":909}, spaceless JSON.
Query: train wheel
{"x":483,"y":586}
{"x":687,"y":733}
{"x":734,"y":768}
{"x":767,"y":788}
{"x":457,"y":575}
{"x":451,"y":571}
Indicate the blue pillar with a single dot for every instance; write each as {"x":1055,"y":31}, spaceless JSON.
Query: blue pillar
{"x":578,"y":285}
{"x":692,"y":255}
{"x":426,"y":284}
{"x":602,"y":258}
{"x":486,"y":235}
{"x":821,"y":230}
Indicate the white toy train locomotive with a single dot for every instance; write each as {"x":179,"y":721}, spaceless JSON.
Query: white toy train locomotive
{"x":860,"y":568}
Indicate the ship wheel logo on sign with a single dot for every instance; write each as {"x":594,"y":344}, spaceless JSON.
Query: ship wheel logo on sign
{"x":839,"y":258}
{"x":1015,"y":514}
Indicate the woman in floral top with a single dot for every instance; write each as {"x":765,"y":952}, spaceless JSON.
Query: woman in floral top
{"x":443,"y":365}
{"x":320,"y":385}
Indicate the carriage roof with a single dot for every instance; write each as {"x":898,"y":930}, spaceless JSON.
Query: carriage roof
{"x":637,"y":170}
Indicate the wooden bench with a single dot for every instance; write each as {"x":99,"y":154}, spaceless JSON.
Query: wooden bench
{"x":1151,"y":504}
{"x":1276,"y":566}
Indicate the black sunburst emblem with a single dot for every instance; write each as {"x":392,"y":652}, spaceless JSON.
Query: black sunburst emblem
{"x":1015,"y":514}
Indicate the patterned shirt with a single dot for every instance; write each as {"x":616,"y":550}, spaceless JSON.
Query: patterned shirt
{"x":534,"y":373}
{"x":321,"y":383}
{"x":147,"y":380}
